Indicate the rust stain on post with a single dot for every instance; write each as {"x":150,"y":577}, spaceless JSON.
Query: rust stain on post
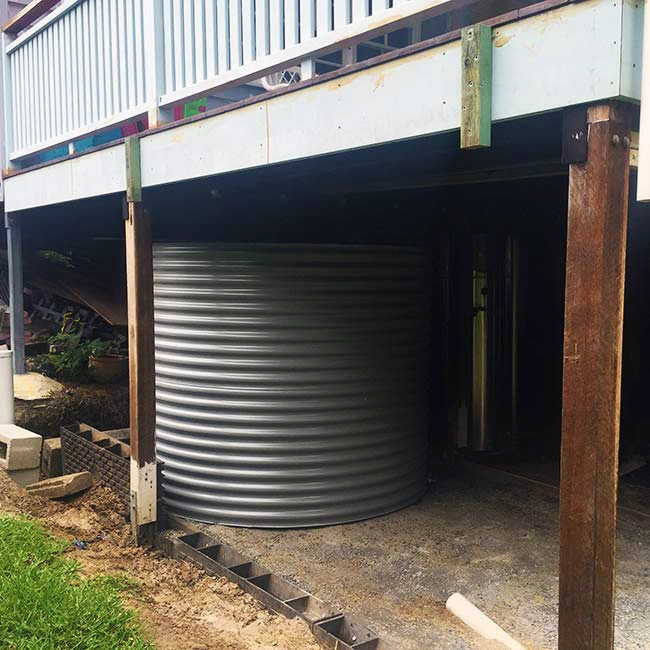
{"x":595,"y":269}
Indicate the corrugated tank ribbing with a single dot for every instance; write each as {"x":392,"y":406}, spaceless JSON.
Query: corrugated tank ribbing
{"x":292,"y":381}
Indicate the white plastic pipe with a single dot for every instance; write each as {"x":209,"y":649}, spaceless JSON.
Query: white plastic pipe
{"x":6,"y":387}
{"x":473,"y":617}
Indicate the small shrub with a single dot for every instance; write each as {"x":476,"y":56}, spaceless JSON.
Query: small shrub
{"x":69,"y":354}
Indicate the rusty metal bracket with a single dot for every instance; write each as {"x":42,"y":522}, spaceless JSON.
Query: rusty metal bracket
{"x":574,"y":135}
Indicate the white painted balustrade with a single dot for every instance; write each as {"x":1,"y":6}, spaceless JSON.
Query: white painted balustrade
{"x":93,"y":64}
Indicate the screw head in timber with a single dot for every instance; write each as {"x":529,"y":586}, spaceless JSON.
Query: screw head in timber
{"x":626,"y":142}
{"x":616,"y":140}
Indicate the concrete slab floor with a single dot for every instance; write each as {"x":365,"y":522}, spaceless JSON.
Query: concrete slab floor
{"x":495,"y":540}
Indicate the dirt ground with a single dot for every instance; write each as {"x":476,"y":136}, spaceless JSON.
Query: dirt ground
{"x":493,"y":540}
{"x":180,"y":607}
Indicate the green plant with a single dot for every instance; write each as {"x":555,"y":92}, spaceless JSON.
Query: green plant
{"x":69,"y":354}
{"x":46,"y":604}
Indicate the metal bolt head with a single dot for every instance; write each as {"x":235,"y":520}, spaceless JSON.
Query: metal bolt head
{"x":616,"y":140}
{"x":626,"y":142}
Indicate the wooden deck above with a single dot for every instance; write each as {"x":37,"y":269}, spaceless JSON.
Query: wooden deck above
{"x":545,"y":58}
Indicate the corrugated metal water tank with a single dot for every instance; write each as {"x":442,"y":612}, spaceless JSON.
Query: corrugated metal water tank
{"x":292,"y":381}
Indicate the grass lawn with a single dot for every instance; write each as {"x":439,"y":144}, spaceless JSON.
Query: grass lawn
{"x":45,"y":604}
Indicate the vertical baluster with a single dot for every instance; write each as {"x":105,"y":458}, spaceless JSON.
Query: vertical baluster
{"x":210,"y":18}
{"x":179,"y":49}
{"x":112,"y":44}
{"x":307,"y":20}
{"x":169,"y":46}
{"x":200,"y":37}
{"x":9,"y":99}
{"x":276,"y":20}
{"x":89,"y":47}
{"x":234,"y":7}
{"x":291,"y":27}
{"x":103,"y":27}
{"x":69,"y":98}
{"x":42,"y":62}
{"x":17,"y":86}
{"x":123,"y":54}
{"x":248,"y":30}
{"x":129,"y":47}
{"x":47,"y":75}
{"x":76,"y":92}
{"x":31,"y":64}
{"x":188,"y":41}
{"x":223,"y":35}
{"x":29,"y":51}
{"x":261,"y":28}
{"x":138,"y":37}
{"x":341,"y":13}
{"x":24,"y":96}
{"x":58,"y":87}
{"x":360,"y":9}
{"x":33,"y":83}
{"x":51,"y":89}
{"x":157,"y":61}
{"x":82,"y":63}
{"x":100,"y":71}
{"x":21,"y":115}
{"x":323,"y":16}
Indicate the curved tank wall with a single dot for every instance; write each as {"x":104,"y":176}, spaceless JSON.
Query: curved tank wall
{"x":292,"y":382}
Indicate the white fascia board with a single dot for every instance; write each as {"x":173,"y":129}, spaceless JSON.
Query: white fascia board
{"x":93,"y":174}
{"x":567,"y":56}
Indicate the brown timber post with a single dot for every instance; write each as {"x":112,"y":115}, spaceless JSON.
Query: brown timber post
{"x":139,"y":282}
{"x":593,"y":336}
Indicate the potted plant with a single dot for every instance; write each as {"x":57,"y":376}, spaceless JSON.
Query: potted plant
{"x":106,"y":363}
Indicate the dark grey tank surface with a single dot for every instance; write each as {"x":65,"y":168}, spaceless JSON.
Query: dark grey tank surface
{"x":292,"y":381}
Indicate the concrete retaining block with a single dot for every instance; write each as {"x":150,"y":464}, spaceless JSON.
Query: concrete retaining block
{"x":62,"y":486}
{"x":19,"y":448}
{"x":25,"y":477}
{"x":51,"y":458}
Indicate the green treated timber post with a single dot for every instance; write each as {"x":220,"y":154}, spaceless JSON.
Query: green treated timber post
{"x":476,"y":92}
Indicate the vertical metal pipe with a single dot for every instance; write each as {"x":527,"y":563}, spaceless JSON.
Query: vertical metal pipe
{"x":15,"y":256}
{"x":516,"y":281}
{"x":481,"y":346}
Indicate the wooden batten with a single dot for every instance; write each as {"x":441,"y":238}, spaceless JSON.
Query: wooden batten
{"x":476,"y":89}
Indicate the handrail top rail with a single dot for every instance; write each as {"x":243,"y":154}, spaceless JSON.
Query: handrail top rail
{"x":41,"y":23}
{"x":41,"y":20}
{"x":28,"y":15}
